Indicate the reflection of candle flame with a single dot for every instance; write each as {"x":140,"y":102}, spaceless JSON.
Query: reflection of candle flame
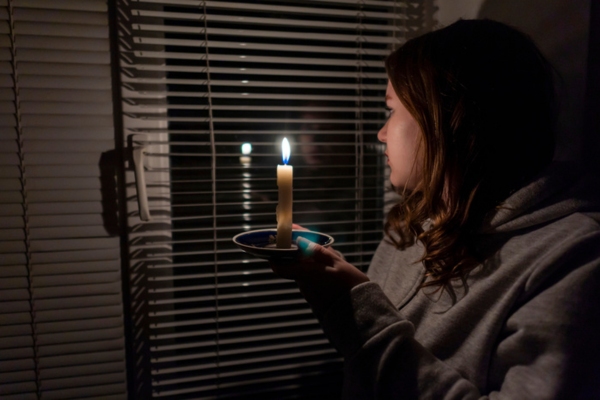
{"x":285,"y":150}
{"x":245,"y":158}
{"x":246,"y":149}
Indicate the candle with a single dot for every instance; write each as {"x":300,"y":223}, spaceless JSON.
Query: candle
{"x":285,"y":175}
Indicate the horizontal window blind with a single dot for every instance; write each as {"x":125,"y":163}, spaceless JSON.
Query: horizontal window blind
{"x":61,"y":309}
{"x":210,"y":89}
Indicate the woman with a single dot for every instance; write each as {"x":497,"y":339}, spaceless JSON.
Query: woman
{"x":488,"y":278}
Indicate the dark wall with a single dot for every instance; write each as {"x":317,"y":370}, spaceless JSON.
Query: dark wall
{"x":561,"y":30}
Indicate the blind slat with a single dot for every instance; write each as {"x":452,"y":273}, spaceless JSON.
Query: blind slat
{"x":87,"y":5}
{"x":252,"y":83}
{"x":77,"y":291}
{"x":234,"y":5}
{"x":82,"y":370}
{"x":18,"y":390}
{"x":79,"y":325}
{"x":67,"y":28}
{"x":259,"y":46}
{"x":81,"y":359}
{"x":60,"y":69}
{"x":10,"y":342}
{"x":51,"y":146}
{"x":67,"y":303}
{"x":132,"y":68}
{"x":265,"y":34}
{"x":16,"y":353}
{"x":68,"y":97}
{"x":52,"y":221}
{"x":87,"y":230}
{"x":65,"y":281}
{"x":63,"y":82}
{"x":84,"y":381}
{"x":13,"y":270}
{"x":57,"y":56}
{"x":15,"y":318}
{"x":64,"y":196}
{"x":267,"y":21}
{"x":243,"y":58}
{"x":56,"y":15}
{"x":117,"y":389}
{"x":12,"y":331}
{"x":261,"y":96}
{"x":63,"y":43}
{"x":19,"y":376}
{"x":78,"y":348}
{"x":76,"y":315}
{"x":305,"y":312}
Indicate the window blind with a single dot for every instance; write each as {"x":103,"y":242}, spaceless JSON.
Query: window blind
{"x":61,"y":315}
{"x":210,"y":89}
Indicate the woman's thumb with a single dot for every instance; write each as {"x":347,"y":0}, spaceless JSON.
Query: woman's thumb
{"x":306,"y":246}
{"x":313,"y":250}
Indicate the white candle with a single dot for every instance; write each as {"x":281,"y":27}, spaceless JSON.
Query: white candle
{"x":285,"y":175}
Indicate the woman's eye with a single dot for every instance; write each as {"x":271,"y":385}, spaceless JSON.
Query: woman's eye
{"x":388,"y":112}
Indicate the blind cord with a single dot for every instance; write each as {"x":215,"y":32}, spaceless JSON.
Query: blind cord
{"x":213,"y":169}
{"x":358,"y":141}
{"x":25,"y":203}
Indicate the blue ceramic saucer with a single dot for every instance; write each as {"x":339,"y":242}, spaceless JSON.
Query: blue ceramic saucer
{"x":261,"y":243}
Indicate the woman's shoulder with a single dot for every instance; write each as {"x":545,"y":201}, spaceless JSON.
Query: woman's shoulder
{"x":526,"y":262}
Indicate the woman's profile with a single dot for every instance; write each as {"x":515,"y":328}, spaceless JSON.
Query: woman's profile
{"x":487,"y":282}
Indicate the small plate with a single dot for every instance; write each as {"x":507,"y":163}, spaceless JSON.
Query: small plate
{"x":261,"y":243}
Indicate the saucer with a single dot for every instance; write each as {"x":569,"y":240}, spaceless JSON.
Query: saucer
{"x":261,"y":243}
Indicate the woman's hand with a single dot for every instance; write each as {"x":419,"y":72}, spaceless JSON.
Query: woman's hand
{"x":296,"y":226}
{"x":322,"y":275}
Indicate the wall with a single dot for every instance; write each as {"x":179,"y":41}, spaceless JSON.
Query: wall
{"x":561,"y":30}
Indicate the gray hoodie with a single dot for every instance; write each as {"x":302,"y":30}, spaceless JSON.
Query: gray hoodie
{"x":525,"y":327}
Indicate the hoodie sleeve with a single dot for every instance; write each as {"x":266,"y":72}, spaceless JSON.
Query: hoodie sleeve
{"x":382,"y":358}
{"x":549,"y":349}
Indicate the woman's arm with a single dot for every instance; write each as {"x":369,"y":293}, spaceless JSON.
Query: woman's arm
{"x":545,"y":357}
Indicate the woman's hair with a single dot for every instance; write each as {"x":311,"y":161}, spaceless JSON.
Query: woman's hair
{"x":483,"y":96}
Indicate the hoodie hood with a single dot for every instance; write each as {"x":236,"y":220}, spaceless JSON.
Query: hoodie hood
{"x":562,"y":189}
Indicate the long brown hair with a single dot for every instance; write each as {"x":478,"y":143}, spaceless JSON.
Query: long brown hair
{"x":483,"y":96}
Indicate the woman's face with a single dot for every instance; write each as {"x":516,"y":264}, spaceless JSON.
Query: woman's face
{"x":401,"y":134}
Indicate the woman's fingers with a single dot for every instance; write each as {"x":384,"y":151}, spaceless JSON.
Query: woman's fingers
{"x":321,"y":273}
{"x":302,"y":268}
{"x":316,"y":251}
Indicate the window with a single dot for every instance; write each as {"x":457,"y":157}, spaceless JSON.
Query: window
{"x":202,"y":80}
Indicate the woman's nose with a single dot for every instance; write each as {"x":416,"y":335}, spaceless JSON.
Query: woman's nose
{"x":382,"y":134}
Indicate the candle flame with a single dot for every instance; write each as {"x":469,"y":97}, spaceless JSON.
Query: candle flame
{"x":285,"y":150}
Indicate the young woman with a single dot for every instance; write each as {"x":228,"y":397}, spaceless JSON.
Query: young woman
{"x":487,"y":283}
